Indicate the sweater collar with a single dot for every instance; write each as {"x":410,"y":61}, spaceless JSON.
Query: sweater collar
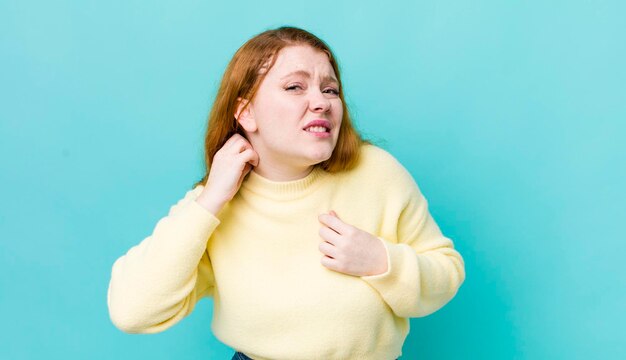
{"x":283,"y":190}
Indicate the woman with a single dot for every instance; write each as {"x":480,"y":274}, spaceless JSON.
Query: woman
{"x":314,"y":243}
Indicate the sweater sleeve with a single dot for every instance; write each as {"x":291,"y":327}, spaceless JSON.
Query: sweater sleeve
{"x":424,"y":270}
{"x":158,"y":282}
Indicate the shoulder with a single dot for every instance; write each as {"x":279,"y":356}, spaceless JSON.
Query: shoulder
{"x":380,"y":163}
{"x":379,"y":170}
{"x":373,"y":153}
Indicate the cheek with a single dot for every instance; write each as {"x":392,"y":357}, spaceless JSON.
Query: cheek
{"x":338,"y":106}
{"x":286,"y":109}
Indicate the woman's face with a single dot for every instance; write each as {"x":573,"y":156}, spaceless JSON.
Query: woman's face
{"x":300,"y":88}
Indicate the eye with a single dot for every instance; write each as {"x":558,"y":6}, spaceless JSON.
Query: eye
{"x":333,"y":91}
{"x":293,"y":87}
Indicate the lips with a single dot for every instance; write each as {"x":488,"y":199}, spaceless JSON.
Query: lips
{"x":319,"y":122}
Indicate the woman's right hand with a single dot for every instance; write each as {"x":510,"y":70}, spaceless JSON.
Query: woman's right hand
{"x":231,"y":163}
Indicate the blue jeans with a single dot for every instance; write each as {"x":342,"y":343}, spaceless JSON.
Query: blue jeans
{"x":241,"y":356}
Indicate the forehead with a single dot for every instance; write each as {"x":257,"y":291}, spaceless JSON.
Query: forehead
{"x":299,"y":60}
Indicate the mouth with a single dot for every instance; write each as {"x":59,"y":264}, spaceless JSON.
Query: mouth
{"x":317,"y":129}
{"x":319,"y":126}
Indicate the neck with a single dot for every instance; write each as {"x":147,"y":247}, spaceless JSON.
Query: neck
{"x":276,"y":172}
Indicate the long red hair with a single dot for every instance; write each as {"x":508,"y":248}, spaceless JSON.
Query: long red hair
{"x":242,"y":78}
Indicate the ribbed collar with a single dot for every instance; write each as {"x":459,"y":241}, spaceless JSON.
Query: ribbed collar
{"x":284,"y":190}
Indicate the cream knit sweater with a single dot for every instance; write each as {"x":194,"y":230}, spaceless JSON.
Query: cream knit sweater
{"x":259,"y":259}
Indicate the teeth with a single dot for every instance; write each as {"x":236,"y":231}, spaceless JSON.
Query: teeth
{"x":316,"y":129}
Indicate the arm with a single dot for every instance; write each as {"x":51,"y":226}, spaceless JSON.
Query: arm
{"x":158,"y":282}
{"x":424,"y":270}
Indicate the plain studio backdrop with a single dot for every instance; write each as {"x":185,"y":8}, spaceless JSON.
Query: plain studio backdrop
{"x":510,"y":115}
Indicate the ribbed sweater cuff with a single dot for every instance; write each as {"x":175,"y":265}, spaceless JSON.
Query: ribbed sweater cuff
{"x":200,"y":218}
{"x":399,"y":285}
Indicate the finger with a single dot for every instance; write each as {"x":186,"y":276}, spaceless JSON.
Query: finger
{"x":255,"y":157}
{"x":328,"y":249}
{"x":241,"y":145}
{"x":246,"y":169}
{"x":334,"y":223}
{"x":330,"y":236}
{"x":236,"y":143}
{"x":250,"y":156}
{"x":231,"y":140}
{"x":330,"y":263}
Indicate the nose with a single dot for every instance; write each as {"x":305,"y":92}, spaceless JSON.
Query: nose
{"x":319,"y":102}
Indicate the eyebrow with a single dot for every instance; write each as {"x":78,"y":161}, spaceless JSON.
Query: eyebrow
{"x":327,"y":78}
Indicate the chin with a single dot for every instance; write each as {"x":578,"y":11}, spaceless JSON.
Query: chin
{"x":321,"y":155}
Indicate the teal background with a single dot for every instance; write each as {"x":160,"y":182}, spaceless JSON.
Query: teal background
{"x":511,"y":116}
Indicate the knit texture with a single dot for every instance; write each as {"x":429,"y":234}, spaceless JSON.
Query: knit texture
{"x":259,"y":260}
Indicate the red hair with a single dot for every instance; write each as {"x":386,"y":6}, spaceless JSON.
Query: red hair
{"x":242,"y":78}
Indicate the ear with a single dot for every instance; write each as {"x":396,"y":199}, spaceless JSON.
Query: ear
{"x":245,"y":117}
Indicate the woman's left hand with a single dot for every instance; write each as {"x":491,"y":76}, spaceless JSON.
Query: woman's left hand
{"x":350,"y":250}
